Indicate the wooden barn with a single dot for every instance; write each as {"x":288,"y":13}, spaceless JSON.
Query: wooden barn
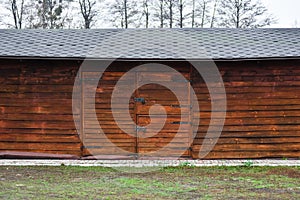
{"x":40,"y":117}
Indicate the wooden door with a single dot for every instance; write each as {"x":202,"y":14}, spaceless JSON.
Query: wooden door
{"x":101,"y":135}
{"x":173,"y":139}
{"x":173,"y":111}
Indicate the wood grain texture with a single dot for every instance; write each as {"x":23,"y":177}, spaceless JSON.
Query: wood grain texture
{"x":262,"y":120}
{"x":36,"y":107}
{"x":262,"y":110}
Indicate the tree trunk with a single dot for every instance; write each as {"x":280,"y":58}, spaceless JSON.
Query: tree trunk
{"x":203,"y":14}
{"x":181,"y":14}
{"x":214,"y":14}
{"x":237,"y":6}
{"x":147,"y":13}
{"x":193,"y":14}
{"x":171,"y":13}
{"x":161,"y":13}
{"x":125,"y":14}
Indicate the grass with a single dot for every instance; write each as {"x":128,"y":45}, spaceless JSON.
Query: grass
{"x":184,"y":182}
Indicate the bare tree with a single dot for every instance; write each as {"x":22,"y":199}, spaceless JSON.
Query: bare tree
{"x":124,"y":13}
{"x":160,"y":12}
{"x":193,"y":12}
{"x":171,"y":6}
{"x":184,"y":12}
{"x":213,"y":17}
{"x":146,"y":12}
{"x":88,"y":12}
{"x":243,"y":14}
{"x":200,"y":13}
{"x":17,"y":11}
{"x":180,"y":13}
{"x":204,"y":12}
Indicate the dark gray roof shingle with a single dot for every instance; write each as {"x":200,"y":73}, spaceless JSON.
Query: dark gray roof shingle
{"x":152,"y":43}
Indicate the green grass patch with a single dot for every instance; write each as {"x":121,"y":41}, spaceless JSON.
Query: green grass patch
{"x":184,"y":182}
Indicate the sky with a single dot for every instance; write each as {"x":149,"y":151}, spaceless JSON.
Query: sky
{"x":286,"y":11}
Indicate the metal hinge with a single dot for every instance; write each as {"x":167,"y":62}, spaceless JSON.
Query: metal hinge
{"x":178,"y":122}
{"x":141,"y":100}
{"x":140,"y":129}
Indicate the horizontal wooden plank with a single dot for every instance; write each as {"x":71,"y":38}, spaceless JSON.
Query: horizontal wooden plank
{"x":38,"y":145}
{"x":167,"y":152}
{"x":165,"y":140}
{"x":147,"y":144}
{"x":171,"y":109}
{"x":116,"y":141}
{"x":251,"y":114}
{"x":36,"y":88}
{"x":257,"y":121}
{"x":252,"y":134}
{"x":109,"y":151}
{"x":268,"y":140}
{"x":37,"y":110}
{"x":157,"y":119}
{"x":76,"y":152}
{"x":116,"y":135}
{"x":37,"y":95}
{"x":238,"y":82}
{"x":53,"y":131}
{"x":252,"y":147}
{"x":251,"y":128}
{"x":237,"y":107}
{"x":233,"y":90}
{"x":34,"y":102}
{"x":37,"y":124}
{"x":254,"y":102}
{"x":249,"y":96}
{"x":36,"y":117}
{"x":248,"y":155}
{"x":105,"y":144}
{"x":21,"y":137}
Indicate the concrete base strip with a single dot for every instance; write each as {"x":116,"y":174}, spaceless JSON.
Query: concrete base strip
{"x":149,"y":163}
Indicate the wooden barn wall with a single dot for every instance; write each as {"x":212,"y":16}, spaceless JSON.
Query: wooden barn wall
{"x":36,"y":106}
{"x":263,"y":110}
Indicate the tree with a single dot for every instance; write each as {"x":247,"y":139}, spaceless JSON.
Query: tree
{"x":124,"y":13}
{"x":180,"y":13}
{"x":204,"y":12}
{"x":49,"y":14}
{"x":171,"y":5}
{"x":160,"y":13}
{"x":17,"y":10}
{"x":146,"y":12}
{"x":193,"y":12}
{"x":200,"y":13}
{"x":87,"y":12}
{"x":243,"y":14}
{"x":213,"y":17}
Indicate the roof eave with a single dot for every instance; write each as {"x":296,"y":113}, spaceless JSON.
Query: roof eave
{"x":149,"y":59}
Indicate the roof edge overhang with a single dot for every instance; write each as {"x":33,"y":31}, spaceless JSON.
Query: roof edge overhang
{"x":148,"y":59}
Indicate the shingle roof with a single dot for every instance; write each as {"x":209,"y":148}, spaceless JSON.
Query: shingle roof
{"x":152,"y":43}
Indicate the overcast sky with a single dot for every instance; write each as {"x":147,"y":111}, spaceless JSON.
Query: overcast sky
{"x":286,"y":11}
